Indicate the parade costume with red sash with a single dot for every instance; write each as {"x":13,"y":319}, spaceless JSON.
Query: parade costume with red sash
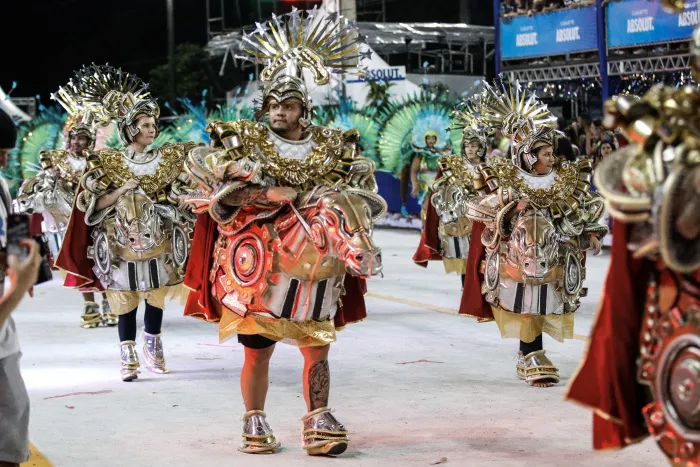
{"x":539,"y":217}
{"x":641,"y":372}
{"x":129,"y":231}
{"x":447,"y":229}
{"x":288,"y":269}
{"x":51,"y":193}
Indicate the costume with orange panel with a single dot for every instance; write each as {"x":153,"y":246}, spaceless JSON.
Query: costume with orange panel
{"x":274,"y":271}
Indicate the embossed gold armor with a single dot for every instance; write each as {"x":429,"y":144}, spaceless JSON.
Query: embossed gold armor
{"x":652,"y":184}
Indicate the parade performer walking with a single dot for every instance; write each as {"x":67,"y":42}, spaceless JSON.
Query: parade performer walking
{"x":288,"y":210}
{"x":538,"y":223}
{"x":446,"y":230}
{"x":640,"y":371}
{"x":130,"y":230}
{"x":51,"y":193}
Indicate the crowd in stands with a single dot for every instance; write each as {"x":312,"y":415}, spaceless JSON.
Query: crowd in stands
{"x":583,"y":137}
{"x":511,"y":8}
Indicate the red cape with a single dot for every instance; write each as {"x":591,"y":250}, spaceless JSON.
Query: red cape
{"x":473,"y":301}
{"x":606,"y":380}
{"x":73,"y":255}
{"x":429,"y":246}
{"x":197,"y":280}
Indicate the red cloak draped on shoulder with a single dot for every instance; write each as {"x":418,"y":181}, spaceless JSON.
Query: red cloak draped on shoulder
{"x":473,"y":301}
{"x":73,"y":255}
{"x":197,"y":280}
{"x":606,"y":381}
{"x":429,"y":246}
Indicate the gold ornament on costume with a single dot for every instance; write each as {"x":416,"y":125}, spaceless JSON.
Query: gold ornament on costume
{"x":568,"y":193}
{"x":114,"y":171}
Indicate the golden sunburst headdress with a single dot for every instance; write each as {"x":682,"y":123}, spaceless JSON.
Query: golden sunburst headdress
{"x":102,"y":93}
{"x":468,"y":118}
{"x":301,"y":40}
{"x":522,"y":117}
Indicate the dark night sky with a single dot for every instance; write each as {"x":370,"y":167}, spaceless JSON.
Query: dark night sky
{"x":46,"y":40}
{"x":49,"y":39}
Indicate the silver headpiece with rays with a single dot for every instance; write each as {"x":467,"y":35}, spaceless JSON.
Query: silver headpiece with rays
{"x":301,"y":40}
{"x":468,"y":116}
{"x":519,"y":113}
{"x":102,"y":93}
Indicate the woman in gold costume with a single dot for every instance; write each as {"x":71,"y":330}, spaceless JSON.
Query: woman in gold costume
{"x":129,"y":211}
{"x":539,"y":221}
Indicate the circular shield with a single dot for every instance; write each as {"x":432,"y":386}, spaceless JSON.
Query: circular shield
{"x":573,"y":280}
{"x":180,"y":246}
{"x":248,"y":260}
{"x":493,"y":266}
{"x":678,"y":385}
{"x":102,"y":258}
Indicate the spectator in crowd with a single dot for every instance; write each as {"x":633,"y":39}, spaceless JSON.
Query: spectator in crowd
{"x":14,"y":400}
{"x":565,"y":150}
{"x":492,"y":150}
{"x":608,"y":144}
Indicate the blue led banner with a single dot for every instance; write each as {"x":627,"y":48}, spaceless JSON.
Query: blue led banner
{"x":636,"y":22}
{"x":559,"y":32}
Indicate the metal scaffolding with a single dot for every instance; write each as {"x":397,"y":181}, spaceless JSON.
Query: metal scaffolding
{"x":558,"y":73}
{"x":633,"y":66}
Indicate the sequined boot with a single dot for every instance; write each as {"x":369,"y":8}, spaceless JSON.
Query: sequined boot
{"x":130,"y":361}
{"x":257,"y":434}
{"x":153,"y":354}
{"x":108,"y":318}
{"x":322,"y":434}
{"x":536,"y":369}
{"x":91,"y":317}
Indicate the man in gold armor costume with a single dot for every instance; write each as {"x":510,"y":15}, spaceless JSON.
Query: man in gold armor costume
{"x":285,"y":230}
{"x":641,"y":371}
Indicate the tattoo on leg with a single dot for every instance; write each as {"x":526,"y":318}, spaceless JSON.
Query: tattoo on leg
{"x":319,"y":384}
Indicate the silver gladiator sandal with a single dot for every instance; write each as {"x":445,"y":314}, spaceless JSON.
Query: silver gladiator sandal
{"x":91,"y":317}
{"x":153,"y":354}
{"x":322,"y":434}
{"x":536,"y":369}
{"x":130,"y":361}
{"x":257,"y":434}
{"x":108,"y":318}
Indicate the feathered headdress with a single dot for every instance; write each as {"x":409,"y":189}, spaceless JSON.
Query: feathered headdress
{"x":301,"y":40}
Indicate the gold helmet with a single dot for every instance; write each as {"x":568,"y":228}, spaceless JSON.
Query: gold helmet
{"x":75,"y":126}
{"x":468,"y":116}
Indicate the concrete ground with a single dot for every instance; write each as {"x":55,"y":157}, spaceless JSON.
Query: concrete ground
{"x":415,"y":386}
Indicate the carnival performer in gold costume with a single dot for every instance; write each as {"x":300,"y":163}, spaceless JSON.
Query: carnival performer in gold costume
{"x":51,"y":193}
{"x":286,"y":226}
{"x":447,"y":229}
{"x":129,"y":211}
{"x":539,"y":221}
{"x":640,"y":373}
